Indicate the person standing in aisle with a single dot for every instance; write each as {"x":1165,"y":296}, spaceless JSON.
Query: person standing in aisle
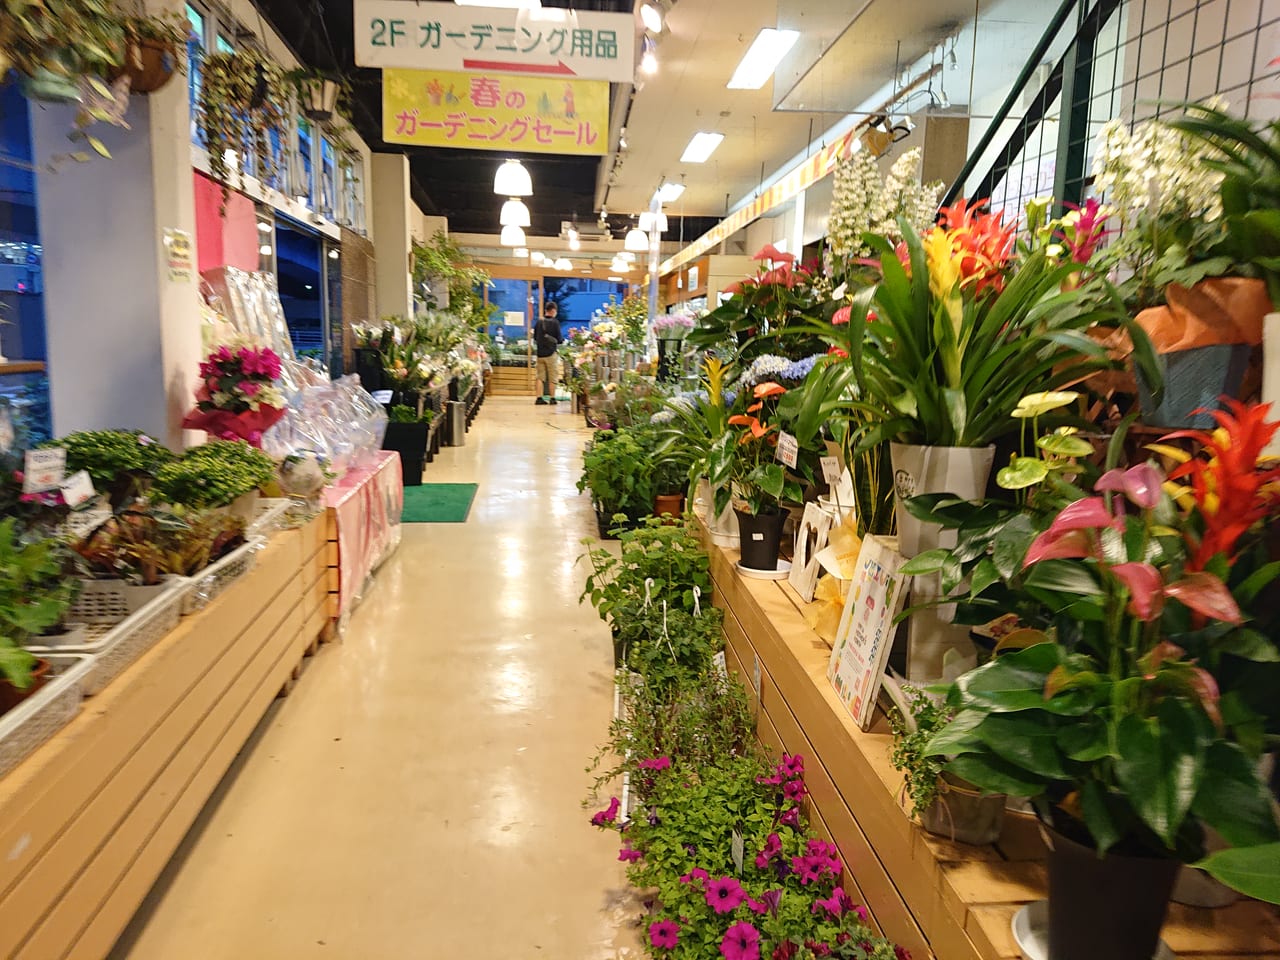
{"x":547,"y":337}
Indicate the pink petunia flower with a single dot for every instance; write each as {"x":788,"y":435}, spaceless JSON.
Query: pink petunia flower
{"x":696,"y":875}
{"x":725,"y":895}
{"x":607,"y":815}
{"x":794,"y":790}
{"x":664,"y":934}
{"x":627,"y":855}
{"x":772,"y":847}
{"x":741,"y":942}
{"x":658,"y":763}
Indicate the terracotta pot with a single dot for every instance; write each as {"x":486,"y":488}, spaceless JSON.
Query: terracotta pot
{"x":149,"y":65}
{"x":1108,"y":908}
{"x":670,"y":505}
{"x":11,"y":696}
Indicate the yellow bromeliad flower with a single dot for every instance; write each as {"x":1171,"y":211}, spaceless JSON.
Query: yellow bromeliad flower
{"x":714,"y":371}
{"x":944,"y":264}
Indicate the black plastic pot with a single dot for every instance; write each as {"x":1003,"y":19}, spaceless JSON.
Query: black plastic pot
{"x":761,"y":536}
{"x":410,"y":441}
{"x":669,"y":359}
{"x":1109,"y":908}
{"x":369,"y":368}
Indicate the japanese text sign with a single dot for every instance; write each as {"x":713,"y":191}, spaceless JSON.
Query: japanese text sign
{"x":543,"y":42}
{"x":438,"y":108}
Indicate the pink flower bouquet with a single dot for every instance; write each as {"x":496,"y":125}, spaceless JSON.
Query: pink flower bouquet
{"x":238,"y":396}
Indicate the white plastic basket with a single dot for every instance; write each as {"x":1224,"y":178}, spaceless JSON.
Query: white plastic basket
{"x":216,"y":577}
{"x":115,"y":648}
{"x":108,"y":602}
{"x":268,"y":517}
{"x":80,"y":523}
{"x":34,"y":721}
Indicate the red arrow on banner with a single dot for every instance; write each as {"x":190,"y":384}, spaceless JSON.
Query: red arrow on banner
{"x":559,"y":69}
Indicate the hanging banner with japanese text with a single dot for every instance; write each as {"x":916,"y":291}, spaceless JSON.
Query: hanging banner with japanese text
{"x":439,"y":108}
{"x":550,"y":41}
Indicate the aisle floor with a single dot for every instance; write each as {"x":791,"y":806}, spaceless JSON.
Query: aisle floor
{"x":419,"y":794}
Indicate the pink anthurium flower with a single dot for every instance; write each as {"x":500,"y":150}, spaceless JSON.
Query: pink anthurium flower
{"x":1069,"y":545}
{"x":1207,"y":595}
{"x":842,"y":315}
{"x":1091,"y":513}
{"x":1146,"y":598}
{"x":1141,"y":484}
{"x":770,"y":252}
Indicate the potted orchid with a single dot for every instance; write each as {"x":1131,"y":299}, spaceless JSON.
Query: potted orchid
{"x":238,"y":396}
{"x":1106,"y":712}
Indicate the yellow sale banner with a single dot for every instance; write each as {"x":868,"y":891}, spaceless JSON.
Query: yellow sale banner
{"x":480,"y":111}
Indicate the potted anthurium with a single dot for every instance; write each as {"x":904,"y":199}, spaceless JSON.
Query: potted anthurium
{"x":758,"y":483}
{"x":1102,"y":715}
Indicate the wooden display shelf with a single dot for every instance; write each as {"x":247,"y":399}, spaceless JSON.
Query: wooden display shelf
{"x":512,"y":382}
{"x":21,"y":366}
{"x":88,"y":822}
{"x":938,"y":899}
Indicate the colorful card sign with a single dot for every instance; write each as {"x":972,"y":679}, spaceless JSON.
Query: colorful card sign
{"x":44,"y":469}
{"x":434,"y":108}
{"x":551,"y":41}
{"x":862,"y":645}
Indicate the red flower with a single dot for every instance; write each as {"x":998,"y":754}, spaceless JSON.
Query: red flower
{"x":842,"y":315}
{"x":770,"y":252}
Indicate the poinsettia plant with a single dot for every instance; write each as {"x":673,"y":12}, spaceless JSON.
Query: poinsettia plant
{"x":238,"y":397}
{"x":1100,"y":712}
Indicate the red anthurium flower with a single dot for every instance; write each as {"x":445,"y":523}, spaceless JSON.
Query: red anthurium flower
{"x":770,"y":252}
{"x":1091,"y":513}
{"x":842,"y":315}
{"x":837,"y":352}
{"x":1141,"y":484}
{"x":1207,"y":595}
{"x":735,"y":287}
{"x":1144,"y":583}
{"x":1050,"y":546}
{"x":768,"y":389}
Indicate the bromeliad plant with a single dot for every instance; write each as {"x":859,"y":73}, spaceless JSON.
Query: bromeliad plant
{"x":962,"y":326}
{"x":1102,"y":717}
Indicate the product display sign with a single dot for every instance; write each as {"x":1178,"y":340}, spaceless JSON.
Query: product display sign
{"x":553,"y":42}
{"x":788,"y":450}
{"x":862,"y":644}
{"x":435,"y":108}
{"x":44,"y":469}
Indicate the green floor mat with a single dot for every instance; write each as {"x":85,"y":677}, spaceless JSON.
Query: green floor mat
{"x":438,"y":502}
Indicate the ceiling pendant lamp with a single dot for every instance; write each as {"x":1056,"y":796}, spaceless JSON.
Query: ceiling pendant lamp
{"x":563,"y":263}
{"x":512,"y":236}
{"x":512,"y":180}
{"x":647,"y":222}
{"x":636,"y":240}
{"x":514,"y":214}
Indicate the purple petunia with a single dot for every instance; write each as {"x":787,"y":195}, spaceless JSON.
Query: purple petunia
{"x":608,"y":815}
{"x":664,"y":934}
{"x":741,"y":942}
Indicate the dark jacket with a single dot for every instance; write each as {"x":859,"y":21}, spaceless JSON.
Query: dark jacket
{"x":544,"y":330}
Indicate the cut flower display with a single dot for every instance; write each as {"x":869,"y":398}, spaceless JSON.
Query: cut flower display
{"x":238,"y":397}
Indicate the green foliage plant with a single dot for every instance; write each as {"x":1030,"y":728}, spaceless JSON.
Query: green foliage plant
{"x":214,"y":474}
{"x":617,"y":471}
{"x":920,"y":770}
{"x":664,"y":645}
{"x":669,"y":556}
{"x":34,"y":595}
{"x":242,"y":99}
{"x":108,"y":454}
{"x":68,"y":38}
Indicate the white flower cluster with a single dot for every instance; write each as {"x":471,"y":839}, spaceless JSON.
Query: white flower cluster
{"x":863,"y":202}
{"x":1156,"y":171}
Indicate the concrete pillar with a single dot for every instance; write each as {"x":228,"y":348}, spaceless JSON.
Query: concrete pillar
{"x":392,"y":218}
{"x":123,"y":336}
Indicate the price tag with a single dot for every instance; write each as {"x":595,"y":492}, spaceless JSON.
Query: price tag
{"x":718,"y":663}
{"x":738,"y":849}
{"x":44,"y":469}
{"x":78,"y":488}
{"x":831,"y":470}
{"x":788,"y":449}
{"x":382,"y":396}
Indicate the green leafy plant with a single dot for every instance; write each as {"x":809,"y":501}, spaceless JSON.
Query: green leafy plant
{"x":34,"y":595}
{"x":109,"y":455}
{"x":142,"y":545}
{"x":615,"y":468}
{"x":671,"y":557}
{"x":757,"y":481}
{"x":402,"y":414}
{"x":214,"y":474}
{"x":920,"y":770}
{"x":443,"y":261}
{"x":242,"y":99}
{"x":664,"y":645}
{"x":65,"y":38}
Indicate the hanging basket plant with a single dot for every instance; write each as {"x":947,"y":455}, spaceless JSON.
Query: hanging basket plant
{"x":322,"y":95}
{"x":155,"y":49}
{"x":242,"y":100}
{"x":52,"y":44}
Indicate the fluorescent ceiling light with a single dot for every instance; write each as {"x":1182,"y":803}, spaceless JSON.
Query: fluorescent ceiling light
{"x":512,"y":180}
{"x":514,"y":214}
{"x":512,"y":236}
{"x":520,"y":252}
{"x":670,"y":192}
{"x":636,"y":240}
{"x":615,"y":279}
{"x":702,"y":146}
{"x":507,"y":4}
{"x":762,"y":58}
{"x":651,"y":16}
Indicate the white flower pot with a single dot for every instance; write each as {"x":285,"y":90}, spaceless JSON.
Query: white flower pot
{"x":724,"y":528}
{"x":918,"y":470}
{"x":936,"y":648}
{"x":1271,"y":371}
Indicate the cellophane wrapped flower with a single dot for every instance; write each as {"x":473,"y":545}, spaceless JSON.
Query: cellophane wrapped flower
{"x":238,"y":379}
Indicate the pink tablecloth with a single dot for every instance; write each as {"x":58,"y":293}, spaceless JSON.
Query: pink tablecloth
{"x":365,"y":506}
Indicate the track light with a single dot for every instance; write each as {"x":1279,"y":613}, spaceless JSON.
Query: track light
{"x":651,"y":16}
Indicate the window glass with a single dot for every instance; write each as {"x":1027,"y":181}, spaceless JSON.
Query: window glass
{"x":307,"y":187}
{"x":328,"y":178}
{"x":224,"y":45}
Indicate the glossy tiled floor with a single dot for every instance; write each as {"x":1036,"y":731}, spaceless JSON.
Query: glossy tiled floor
{"x":418,"y":796}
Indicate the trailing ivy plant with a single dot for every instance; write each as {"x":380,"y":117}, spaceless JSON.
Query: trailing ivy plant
{"x":443,"y":261}
{"x":920,"y":771}
{"x":671,"y":556}
{"x":242,"y":99}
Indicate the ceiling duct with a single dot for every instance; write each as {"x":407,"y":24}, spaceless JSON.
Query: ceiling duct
{"x":587,"y":232}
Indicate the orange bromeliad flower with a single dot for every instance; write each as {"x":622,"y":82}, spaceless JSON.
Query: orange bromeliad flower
{"x":982,"y":243}
{"x":1232,"y":489}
